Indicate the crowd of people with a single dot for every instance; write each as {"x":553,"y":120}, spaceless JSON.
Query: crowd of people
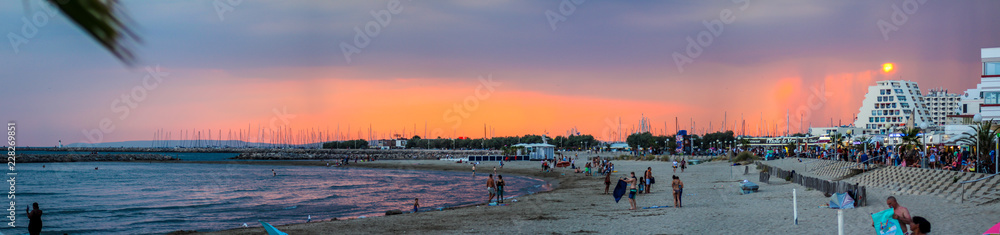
{"x":943,"y":158}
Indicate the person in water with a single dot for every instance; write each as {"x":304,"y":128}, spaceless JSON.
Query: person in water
{"x":34,"y":220}
{"x":274,"y":173}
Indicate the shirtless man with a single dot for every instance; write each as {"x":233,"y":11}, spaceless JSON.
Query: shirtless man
{"x":491,"y":187}
{"x":633,"y":188}
{"x":900,"y":213}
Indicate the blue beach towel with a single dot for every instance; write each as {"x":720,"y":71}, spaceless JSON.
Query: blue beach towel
{"x":270,"y":229}
{"x":619,"y":190}
{"x":885,"y":224}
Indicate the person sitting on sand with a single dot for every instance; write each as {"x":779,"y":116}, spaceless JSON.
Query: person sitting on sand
{"x":899,"y":213}
{"x":633,"y":188}
{"x":678,"y":191}
{"x":491,"y":188}
{"x":500,"y":185}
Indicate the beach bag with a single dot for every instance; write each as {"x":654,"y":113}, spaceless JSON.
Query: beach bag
{"x":652,"y":180}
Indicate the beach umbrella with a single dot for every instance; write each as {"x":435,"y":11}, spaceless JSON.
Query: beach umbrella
{"x":270,"y":229}
{"x":995,"y":230}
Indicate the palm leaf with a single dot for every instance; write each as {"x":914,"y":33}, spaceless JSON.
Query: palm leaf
{"x":102,"y":20}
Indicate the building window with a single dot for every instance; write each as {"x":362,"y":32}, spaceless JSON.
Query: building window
{"x":881,"y":92}
{"x":965,"y":108}
{"x":901,"y":98}
{"x":893,"y":105}
{"x":879,"y":99}
{"x":871,"y":119}
{"x":991,"y":97}
{"x":991,"y":68}
{"x":890,"y":98}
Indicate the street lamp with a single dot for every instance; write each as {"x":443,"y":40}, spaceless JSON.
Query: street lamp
{"x":923,"y":139}
{"x":977,"y":119}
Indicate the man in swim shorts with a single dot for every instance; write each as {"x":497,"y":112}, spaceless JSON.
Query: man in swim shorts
{"x":491,"y":187}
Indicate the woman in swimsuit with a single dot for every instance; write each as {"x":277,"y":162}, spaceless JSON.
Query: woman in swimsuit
{"x":678,"y":190}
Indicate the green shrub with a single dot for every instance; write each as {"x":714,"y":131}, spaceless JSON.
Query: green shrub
{"x":745,"y":157}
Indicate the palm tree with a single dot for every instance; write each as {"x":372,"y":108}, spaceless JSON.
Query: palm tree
{"x":911,"y":138}
{"x":982,"y":137}
{"x":103,"y":20}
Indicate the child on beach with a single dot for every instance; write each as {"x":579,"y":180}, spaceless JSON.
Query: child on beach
{"x":642,"y":184}
{"x":416,"y":204}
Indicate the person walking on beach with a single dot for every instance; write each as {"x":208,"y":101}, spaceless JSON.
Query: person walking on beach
{"x":500,"y":185}
{"x":34,"y":220}
{"x":675,"y":166}
{"x":633,"y":188}
{"x":491,"y":188}
{"x":899,"y":213}
{"x":649,"y":178}
{"x":683,"y":165}
{"x":416,"y":204}
{"x":678,"y":191}
{"x":473,"y":169}
{"x":607,"y":183}
{"x":495,"y":170}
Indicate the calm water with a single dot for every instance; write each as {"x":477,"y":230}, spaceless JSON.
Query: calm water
{"x":179,"y":155}
{"x":142,"y":198}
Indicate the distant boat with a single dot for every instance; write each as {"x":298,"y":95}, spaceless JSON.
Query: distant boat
{"x":270,"y":229}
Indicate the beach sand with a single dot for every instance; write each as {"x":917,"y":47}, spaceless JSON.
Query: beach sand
{"x":712,"y":205}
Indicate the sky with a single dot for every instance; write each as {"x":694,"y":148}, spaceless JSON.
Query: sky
{"x":455,"y":68}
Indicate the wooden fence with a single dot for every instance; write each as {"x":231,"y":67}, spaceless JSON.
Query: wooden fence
{"x":859,"y":193}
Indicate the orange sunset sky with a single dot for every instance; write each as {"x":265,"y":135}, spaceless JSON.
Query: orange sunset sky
{"x":282,"y":65}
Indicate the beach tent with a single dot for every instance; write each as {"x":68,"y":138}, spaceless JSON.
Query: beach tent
{"x":270,"y":229}
{"x":995,"y":230}
{"x":841,"y":201}
{"x":885,"y":224}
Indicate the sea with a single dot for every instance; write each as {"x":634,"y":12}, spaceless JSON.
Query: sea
{"x":158,"y":198}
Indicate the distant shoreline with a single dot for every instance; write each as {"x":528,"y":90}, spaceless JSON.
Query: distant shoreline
{"x":47,"y":158}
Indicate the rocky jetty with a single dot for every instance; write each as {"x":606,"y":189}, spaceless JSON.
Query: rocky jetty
{"x":30,"y":158}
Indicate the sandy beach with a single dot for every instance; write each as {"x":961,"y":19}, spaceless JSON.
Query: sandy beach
{"x":712,"y":205}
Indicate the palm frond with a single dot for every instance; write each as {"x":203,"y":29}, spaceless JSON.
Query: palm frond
{"x":103,"y":21}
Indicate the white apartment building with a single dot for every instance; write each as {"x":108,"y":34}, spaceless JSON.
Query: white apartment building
{"x":941,"y":104}
{"x":889,"y":105}
{"x":988,"y":88}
